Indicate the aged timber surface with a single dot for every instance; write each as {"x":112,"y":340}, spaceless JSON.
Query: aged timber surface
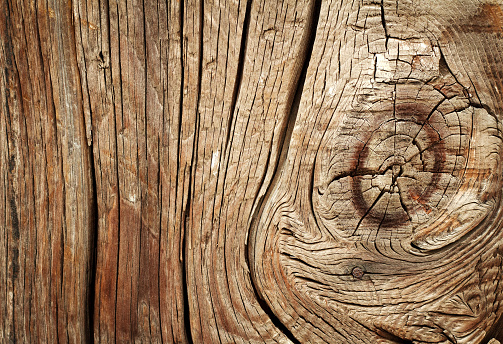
{"x":252,"y":171}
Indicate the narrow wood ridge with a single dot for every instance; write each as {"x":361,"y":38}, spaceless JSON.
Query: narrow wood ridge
{"x":307,"y":50}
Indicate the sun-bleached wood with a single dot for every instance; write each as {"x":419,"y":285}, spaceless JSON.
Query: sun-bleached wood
{"x":384,"y":222}
{"x":251,"y":171}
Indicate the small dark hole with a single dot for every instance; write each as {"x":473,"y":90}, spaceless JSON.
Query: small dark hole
{"x":357,"y":273}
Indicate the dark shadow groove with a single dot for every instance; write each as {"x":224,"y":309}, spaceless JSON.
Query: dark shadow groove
{"x":93,"y":247}
{"x":186,"y":311}
{"x":390,"y":336}
{"x":116,"y":167}
{"x":200,"y":66}
{"x":187,"y":208}
{"x":274,"y":319}
{"x":185,"y":241}
{"x":283,"y":147}
{"x":384,"y":25}
{"x":185,"y":212}
{"x":239,"y":72}
{"x":496,"y":331}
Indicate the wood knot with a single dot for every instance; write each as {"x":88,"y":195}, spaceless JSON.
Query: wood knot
{"x":397,"y":170}
{"x":357,"y":272}
{"x":409,"y":169}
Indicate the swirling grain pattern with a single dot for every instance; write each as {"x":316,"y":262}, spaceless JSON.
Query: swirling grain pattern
{"x":384,"y":223}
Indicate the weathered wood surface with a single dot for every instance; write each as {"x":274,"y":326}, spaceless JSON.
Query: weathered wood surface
{"x":46,"y":195}
{"x":251,"y":171}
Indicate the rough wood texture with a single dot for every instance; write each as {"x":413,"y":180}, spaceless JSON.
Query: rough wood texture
{"x":384,"y":223}
{"x":251,"y":171}
{"x":46,"y":197}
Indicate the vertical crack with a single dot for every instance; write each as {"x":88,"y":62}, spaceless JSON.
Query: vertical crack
{"x":94,"y":212}
{"x":239,"y":72}
{"x":496,"y":332}
{"x":383,"y":20}
{"x":116,"y":143}
{"x":200,"y":66}
{"x":93,"y":247}
{"x":185,"y":212}
{"x":186,"y":313}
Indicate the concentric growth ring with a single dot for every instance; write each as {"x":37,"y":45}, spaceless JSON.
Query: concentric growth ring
{"x":396,"y":171}
{"x":395,"y":168}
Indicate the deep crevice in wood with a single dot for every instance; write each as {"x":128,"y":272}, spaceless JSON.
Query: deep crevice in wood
{"x":201,"y":46}
{"x":443,"y":65}
{"x":390,"y":336}
{"x":185,"y":240}
{"x":274,"y":318}
{"x":94,"y":219}
{"x":383,"y":20}
{"x":239,"y":71}
{"x":496,"y":331}
{"x":93,"y":254}
{"x":185,"y":212}
{"x":116,"y":143}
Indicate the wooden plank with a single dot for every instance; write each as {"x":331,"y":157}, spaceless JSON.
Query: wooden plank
{"x":251,"y":61}
{"x":131,"y":60}
{"x":47,"y":212}
{"x":251,"y":171}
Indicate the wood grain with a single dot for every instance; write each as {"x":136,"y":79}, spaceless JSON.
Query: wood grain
{"x":384,"y":224}
{"x":142,"y":157}
{"x":47,"y":214}
{"x":251,"y":171}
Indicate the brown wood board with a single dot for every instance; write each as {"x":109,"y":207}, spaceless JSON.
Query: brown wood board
{"x":251,"y":171}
